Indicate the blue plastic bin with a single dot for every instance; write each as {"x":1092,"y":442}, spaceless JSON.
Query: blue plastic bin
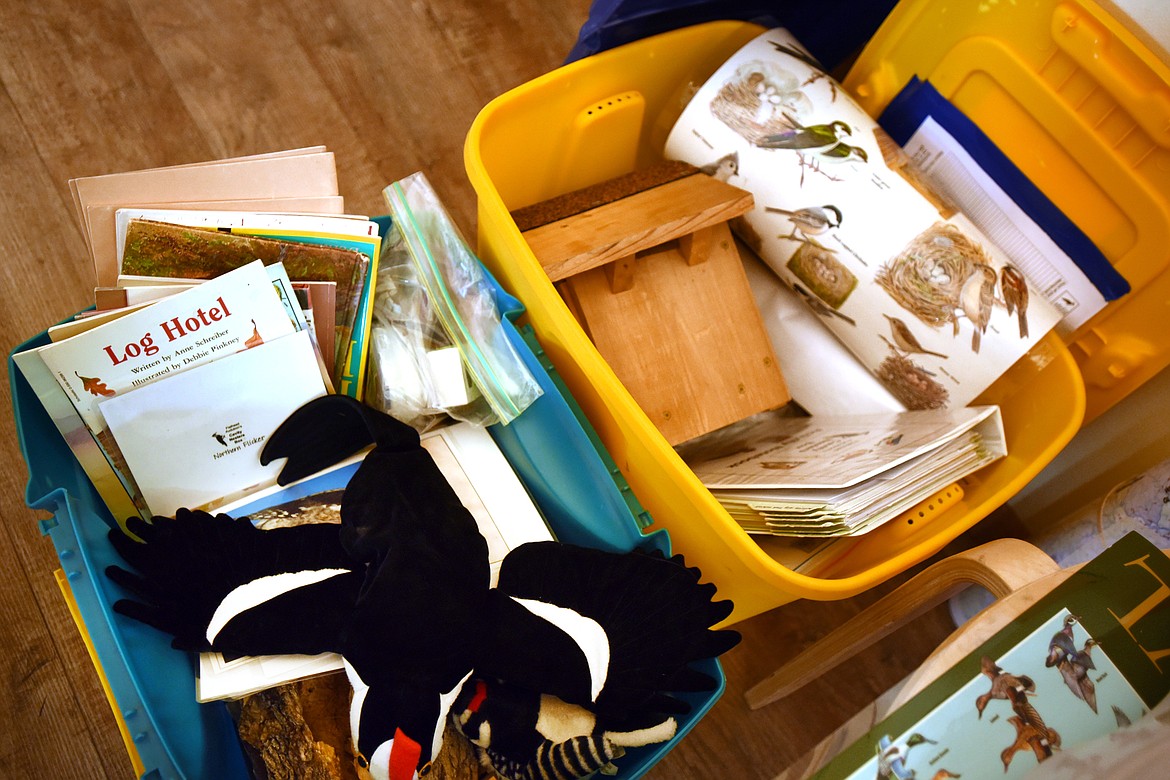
{"x":559,"y":460}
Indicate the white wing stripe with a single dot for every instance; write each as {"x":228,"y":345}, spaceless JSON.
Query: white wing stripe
{"x":254,"y":593}
{"x":586,"y":632}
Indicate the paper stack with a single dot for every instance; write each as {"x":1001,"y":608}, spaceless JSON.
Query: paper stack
{"x":841,"y":476}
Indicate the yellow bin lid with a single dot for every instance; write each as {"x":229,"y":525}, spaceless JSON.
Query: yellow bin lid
{"x":1077,"y":101}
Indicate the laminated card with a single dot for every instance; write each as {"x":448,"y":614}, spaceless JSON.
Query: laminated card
{"x":931,"y":307}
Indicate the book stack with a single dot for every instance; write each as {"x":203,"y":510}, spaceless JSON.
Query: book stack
{"x":167,"y":389}
{"x":169,"y":405}
{"x":151,"y":233}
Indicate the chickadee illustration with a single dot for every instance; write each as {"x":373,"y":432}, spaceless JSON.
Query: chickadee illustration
{"x":723,"y":168}
{"x":811,"y":220}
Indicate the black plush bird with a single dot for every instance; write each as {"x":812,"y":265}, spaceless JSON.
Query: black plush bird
{"x":401,"y":590}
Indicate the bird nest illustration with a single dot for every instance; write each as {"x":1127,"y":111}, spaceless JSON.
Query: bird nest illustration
{"x":927,"y":276}
{"x":911,"y":384}
{"x":759,"y":100}
{"x":822,"y":273}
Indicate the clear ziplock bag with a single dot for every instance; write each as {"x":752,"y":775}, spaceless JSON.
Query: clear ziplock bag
{"x":461,"y":300}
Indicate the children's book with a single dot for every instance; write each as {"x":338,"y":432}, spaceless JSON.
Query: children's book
{"x":1083,"y":667}
{"x":353,"y":353}
{"x":222,"y":316}
{"x":318,"y":299}
{"x":194,"y":439}
{"x":159,"y":250}
{"x":342,"y":231}
{"x":290,"y":180}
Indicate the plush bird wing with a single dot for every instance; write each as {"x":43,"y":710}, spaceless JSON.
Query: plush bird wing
{"x":654,"y":616}
{"x":215,"y":582}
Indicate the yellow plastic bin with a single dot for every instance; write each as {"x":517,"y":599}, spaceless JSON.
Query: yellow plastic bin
{"x":610,"y":114}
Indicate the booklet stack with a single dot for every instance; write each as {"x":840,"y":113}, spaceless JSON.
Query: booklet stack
{"x":167,"y":388}
{"x":833,"y":476}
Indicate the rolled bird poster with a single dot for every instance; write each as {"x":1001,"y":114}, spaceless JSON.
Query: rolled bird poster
{"x":914,"y":290}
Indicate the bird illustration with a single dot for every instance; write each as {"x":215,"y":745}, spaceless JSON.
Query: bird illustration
{"x":809,"y":221}
{"x":810,"y":138}
{"x":1062,"y":646}
{"x":820,"y":307}
{"x":799,"y":54}
{"x":219,"y":438}
{"x":1030,"y":727}
{"x":976,"y":298}
{"x":723,"y":168}
{"x":1014,"y":289}
{"x":917,"y":739}
{"x":1040,"y":739}
{"x":843,"y":152}
{"x":1074,"y":669}
{"x":401,"y":590}
{"x":905,"y":340}
{"x":1003,"y":685}
{"x":891,"y":761}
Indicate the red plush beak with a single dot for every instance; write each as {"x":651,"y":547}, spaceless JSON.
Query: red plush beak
{"x":404,"y":755}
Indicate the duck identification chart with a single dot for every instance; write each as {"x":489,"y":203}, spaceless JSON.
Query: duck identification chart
{"x":1090,"y":659}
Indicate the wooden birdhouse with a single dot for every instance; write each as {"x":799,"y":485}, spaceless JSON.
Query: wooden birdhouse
{"x":648,"y":266}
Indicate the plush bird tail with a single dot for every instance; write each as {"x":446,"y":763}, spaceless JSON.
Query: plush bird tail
{"x":648,"y":736}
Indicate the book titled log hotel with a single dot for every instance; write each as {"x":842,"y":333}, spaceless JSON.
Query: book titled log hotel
{"x":231,"y":312}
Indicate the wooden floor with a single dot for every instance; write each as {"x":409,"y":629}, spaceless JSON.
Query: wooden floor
{"x":391,"y":87}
